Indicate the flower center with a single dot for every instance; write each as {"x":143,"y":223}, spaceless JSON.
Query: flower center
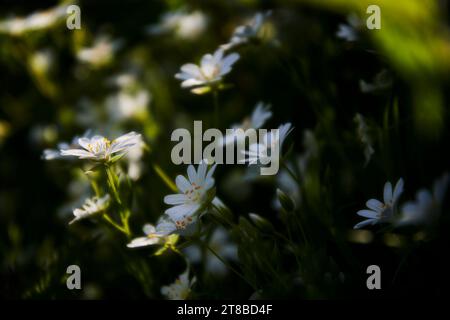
{"x":183,"y":223}
{"x":194,"y":193}
{"x":99,"y":146}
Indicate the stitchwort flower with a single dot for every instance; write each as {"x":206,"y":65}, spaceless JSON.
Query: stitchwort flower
{"x":99,"y":148}
{"x":262,"y":151}
{"x":180,"y":289}
{"x":201,"y":78}
{"x":427,"y":206}
{"x":91,"y":207}
{"x":153,"y":236}
{"x":381,"y":211}
{"x":247,"y":32}
{"x":196,"y":195}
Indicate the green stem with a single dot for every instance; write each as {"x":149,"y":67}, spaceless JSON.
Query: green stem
{"x":112,"y":182}
{"x":115,"y":225}
{"x":165,"y":178}
{"x":289,"y":171}
{"x":226,"y":264}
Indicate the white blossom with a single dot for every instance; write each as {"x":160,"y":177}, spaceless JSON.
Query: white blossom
{"x":212,"y":68}
{"x":381,"y":211}
{"x":180,"y":289}
{"x":91,"y":206}
{"x":99,"y":148}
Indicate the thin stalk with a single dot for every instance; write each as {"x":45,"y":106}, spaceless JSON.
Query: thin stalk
{"x":226,"y":264}
{"x":115,"y":225}
{"x":165,"y":178}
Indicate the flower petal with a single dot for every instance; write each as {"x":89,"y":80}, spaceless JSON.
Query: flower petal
{"x":175,"y":199}
{"x":367,"y":214}
{"x":375,"y":205}
{"x":387,"y":192}
{"x":364,"y":223}
{"x":182,"y":183}
{"x":398,"y":190}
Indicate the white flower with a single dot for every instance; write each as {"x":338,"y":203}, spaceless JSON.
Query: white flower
{"x":134,"y":159}
{"x":379,"y":211}
{"x":381,"y":81}
{"x":210,"y":71}
{"x":427,"y":205}
{"x":247,"y":32}
{"x":41,"y":61}
{"x":101,"y":53}
{"x":153,"y":237}
{"x":185,"y":25}
{"x":196,"y":194}
{"x":221,"y":244}
{"x":127,"y":105}
{"x":349,"y":32}
{"x":39,"y":20}
{"x":262,"y":151}
{"x":53,"y":154}
{"x":180,"y":289}
{"x":100,"y":148}
{"x":91,"y":207}
{"x":364,"y":136}
{"x":259,"y":116}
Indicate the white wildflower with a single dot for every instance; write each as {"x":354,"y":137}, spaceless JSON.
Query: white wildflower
{"x":17,"y":26}
{"x":381,"y":211}
{"x":153,"y":236}
{"x":196,"y":195}
{"x":247,"y":32}
{"x":200,"y":78}
{"x":99,"y":148}
{"x":427,"y":206}
{"x":262,"y":152}
{"x":91,"y":206}
{"x":184,"y":25}
{"x":101,"y":53}
{"x":180,"y":289}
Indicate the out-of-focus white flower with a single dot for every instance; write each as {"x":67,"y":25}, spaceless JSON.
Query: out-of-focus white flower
{"x":41,"y":61}
{"x":100,"y":148}
{"x":209,"y":73}
{"x":246,"y":32}
{"x":123,"y":80}
{"x":184,"y":25}
{"x":427,"y":206}
{"x":39,"y":20}
{"x":134,"y":158}
{"x":101,"y":53}
{"x":350,"y":31}
{"x":128,"y":105}
{"x":258,"y":118}
{"x":196,"y":195}
{"x":262,"y":151}
{"x":381,"y":81}
{"x":180,"y":289}
{"x":91,"y":206}
{"x":381,"y":211}
{"x":152,"y":237}
{"x":221,"y":244}
{"x":364,"y":136}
